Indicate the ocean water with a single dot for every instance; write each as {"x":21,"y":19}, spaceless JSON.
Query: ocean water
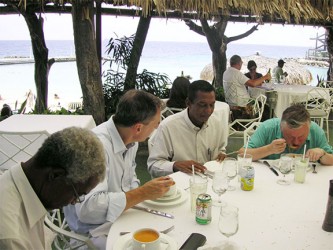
{"x":170,"y":58}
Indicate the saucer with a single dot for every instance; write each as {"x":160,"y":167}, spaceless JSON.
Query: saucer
{"x":177,"y":195}
{"x":125,"y":242}
{"x":174,"y":202}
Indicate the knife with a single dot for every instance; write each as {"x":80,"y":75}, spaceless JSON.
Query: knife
{"x":271,"y":168}
{"x":152,"y":211}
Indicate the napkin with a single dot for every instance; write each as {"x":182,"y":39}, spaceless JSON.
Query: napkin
{"x":101,"y":230}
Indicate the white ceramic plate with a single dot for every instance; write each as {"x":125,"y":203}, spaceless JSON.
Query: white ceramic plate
{"x":170,"y":198}
{"x":180,"y":200}
{"x":125,"y":242}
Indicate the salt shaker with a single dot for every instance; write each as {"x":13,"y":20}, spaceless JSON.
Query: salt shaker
{"x":328,"y":221}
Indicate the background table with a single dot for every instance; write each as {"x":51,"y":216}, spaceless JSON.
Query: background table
{"x":271,"y":216}
{"x":286,"y":95}
{"x":22,"y":135}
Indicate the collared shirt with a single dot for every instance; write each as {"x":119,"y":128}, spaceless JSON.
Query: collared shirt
{"x":271,"y":130}
{"x":22,"y":214}
{"x":107,"y":200}
{"x":178,"y":139}
{"x":234,"y":85}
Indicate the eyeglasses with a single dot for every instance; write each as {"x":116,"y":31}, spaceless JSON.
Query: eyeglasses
{"x":253,"y":69}
{"x":78,"y":198}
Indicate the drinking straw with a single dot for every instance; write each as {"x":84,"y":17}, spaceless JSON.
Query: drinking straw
{"x":247,"y":144}
{"x":304,"y":152}
{"x":193,"y":173}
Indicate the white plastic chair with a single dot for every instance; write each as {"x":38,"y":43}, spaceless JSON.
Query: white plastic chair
{"x":16,"y":147}
{"x":250,"y":131}
{"x":258,"y":110}
{"x":64,"y":236}
{"x":318,"y":104}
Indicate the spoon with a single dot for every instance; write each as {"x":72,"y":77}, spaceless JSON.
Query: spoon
{"x":314,"y":168}
{"x":165,"y":231}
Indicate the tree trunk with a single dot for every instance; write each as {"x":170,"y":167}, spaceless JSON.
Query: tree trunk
{"x":40,"y":52}
{"x":330,"y":53}
{"x":87,"y":61}
{"x":138,"y":44}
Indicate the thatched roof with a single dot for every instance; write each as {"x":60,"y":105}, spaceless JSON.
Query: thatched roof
{"x":313,"y":12}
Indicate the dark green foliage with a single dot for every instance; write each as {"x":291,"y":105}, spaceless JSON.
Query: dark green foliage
{"x":114,"y":78}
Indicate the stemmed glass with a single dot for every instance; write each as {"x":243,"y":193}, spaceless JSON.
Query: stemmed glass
{"x":229,"y":165}
{"x":228,"y":222}
{"x":285,"y":167}
{"x":220,"y":186}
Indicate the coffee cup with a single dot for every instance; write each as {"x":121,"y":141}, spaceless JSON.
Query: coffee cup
{"x":172,"y":191}
{"x":146,"y":238}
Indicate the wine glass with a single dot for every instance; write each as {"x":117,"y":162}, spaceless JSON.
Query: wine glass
{"x":285,"y":167}
{"x":220,"y":186}
{"x":229,"y":165}
{"x":228,"y":222}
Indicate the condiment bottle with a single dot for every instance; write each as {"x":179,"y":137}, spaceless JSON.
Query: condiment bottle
{"x":328,"y":221}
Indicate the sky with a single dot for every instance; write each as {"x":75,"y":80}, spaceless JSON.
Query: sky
{"x":59,"y":27}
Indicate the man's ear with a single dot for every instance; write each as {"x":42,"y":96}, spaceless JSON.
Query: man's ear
{"x":55,"y":173}
{"x":187,"y":101}
{"x":137,"y":127}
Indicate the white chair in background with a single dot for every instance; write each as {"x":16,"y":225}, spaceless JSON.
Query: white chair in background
{"x":258,"y":110}
{"x":318,"y":104}
{"x":250,"y":131}
{"x":16,"y":147}
{"x":64,"y":236}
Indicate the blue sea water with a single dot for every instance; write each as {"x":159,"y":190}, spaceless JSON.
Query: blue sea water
{"x":169,"y":58}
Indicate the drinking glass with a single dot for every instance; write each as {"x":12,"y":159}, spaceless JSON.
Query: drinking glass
{"x":219,"y":186}
{"x":228,"y":222}
{"x":285,"y":167}
{"x":229,"y":165}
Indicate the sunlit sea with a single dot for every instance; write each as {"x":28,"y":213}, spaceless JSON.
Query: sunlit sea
{"x":170,"y":58}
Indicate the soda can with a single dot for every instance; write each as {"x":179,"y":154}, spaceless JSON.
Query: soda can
{"x":247,"y":178}
{"x":203,"y":214}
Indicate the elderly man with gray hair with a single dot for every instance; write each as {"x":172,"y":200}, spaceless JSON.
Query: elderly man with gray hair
{"x":68,"y":165}
{"x":290,"y":134}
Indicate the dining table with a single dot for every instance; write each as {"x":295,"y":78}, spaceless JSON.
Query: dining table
{"x":271,"y":216}
{"x":284,"y":95}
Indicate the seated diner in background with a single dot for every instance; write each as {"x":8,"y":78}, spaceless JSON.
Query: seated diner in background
{"x":66,"y":167}
{"x":252,"y":67}
{"x":290,"y":134}
{"x":178,"y":93}
{"x":278,"y":71}
{"x":234,"y":84}
{"x":191,"y":137}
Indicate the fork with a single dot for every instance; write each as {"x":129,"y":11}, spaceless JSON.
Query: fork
{"x":165,"y":231}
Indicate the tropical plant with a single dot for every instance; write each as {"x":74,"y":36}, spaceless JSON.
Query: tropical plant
{"x":114,"y":78}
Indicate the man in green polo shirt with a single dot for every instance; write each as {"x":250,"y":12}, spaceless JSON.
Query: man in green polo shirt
{"x":289,"y":135}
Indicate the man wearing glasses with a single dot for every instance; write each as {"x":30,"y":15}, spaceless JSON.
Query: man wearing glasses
{"x":69,"y":164}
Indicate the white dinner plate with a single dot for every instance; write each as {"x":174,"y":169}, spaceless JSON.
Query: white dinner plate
{"x":125,"y":242}
{"x":180,"y":200}
{"x":170,"y":198}
{"x":212,"y":165}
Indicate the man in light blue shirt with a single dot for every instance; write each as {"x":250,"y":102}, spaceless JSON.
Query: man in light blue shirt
{"x":290,"y":134}
{"x":138,"y":114}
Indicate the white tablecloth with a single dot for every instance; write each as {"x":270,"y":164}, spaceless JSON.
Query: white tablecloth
{"x":50,"y":123}
{"x":286,"y":95}
{"x":271,"y":216}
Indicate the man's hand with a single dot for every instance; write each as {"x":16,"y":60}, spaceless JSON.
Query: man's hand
{"x":156,"y":188}
{"x":277,"y":146}
{"x":221,"y":157}
{"x":314,"y":154}
{"x":186,"y":166}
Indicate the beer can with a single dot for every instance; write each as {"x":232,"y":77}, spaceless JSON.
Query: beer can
{"x":247,"y":178}
{"x":203,"y":214}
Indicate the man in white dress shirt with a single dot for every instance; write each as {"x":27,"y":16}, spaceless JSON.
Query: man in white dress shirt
{"x":68,"y":165}
{"x":190,"y":137}
{"x":138,"y":114}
